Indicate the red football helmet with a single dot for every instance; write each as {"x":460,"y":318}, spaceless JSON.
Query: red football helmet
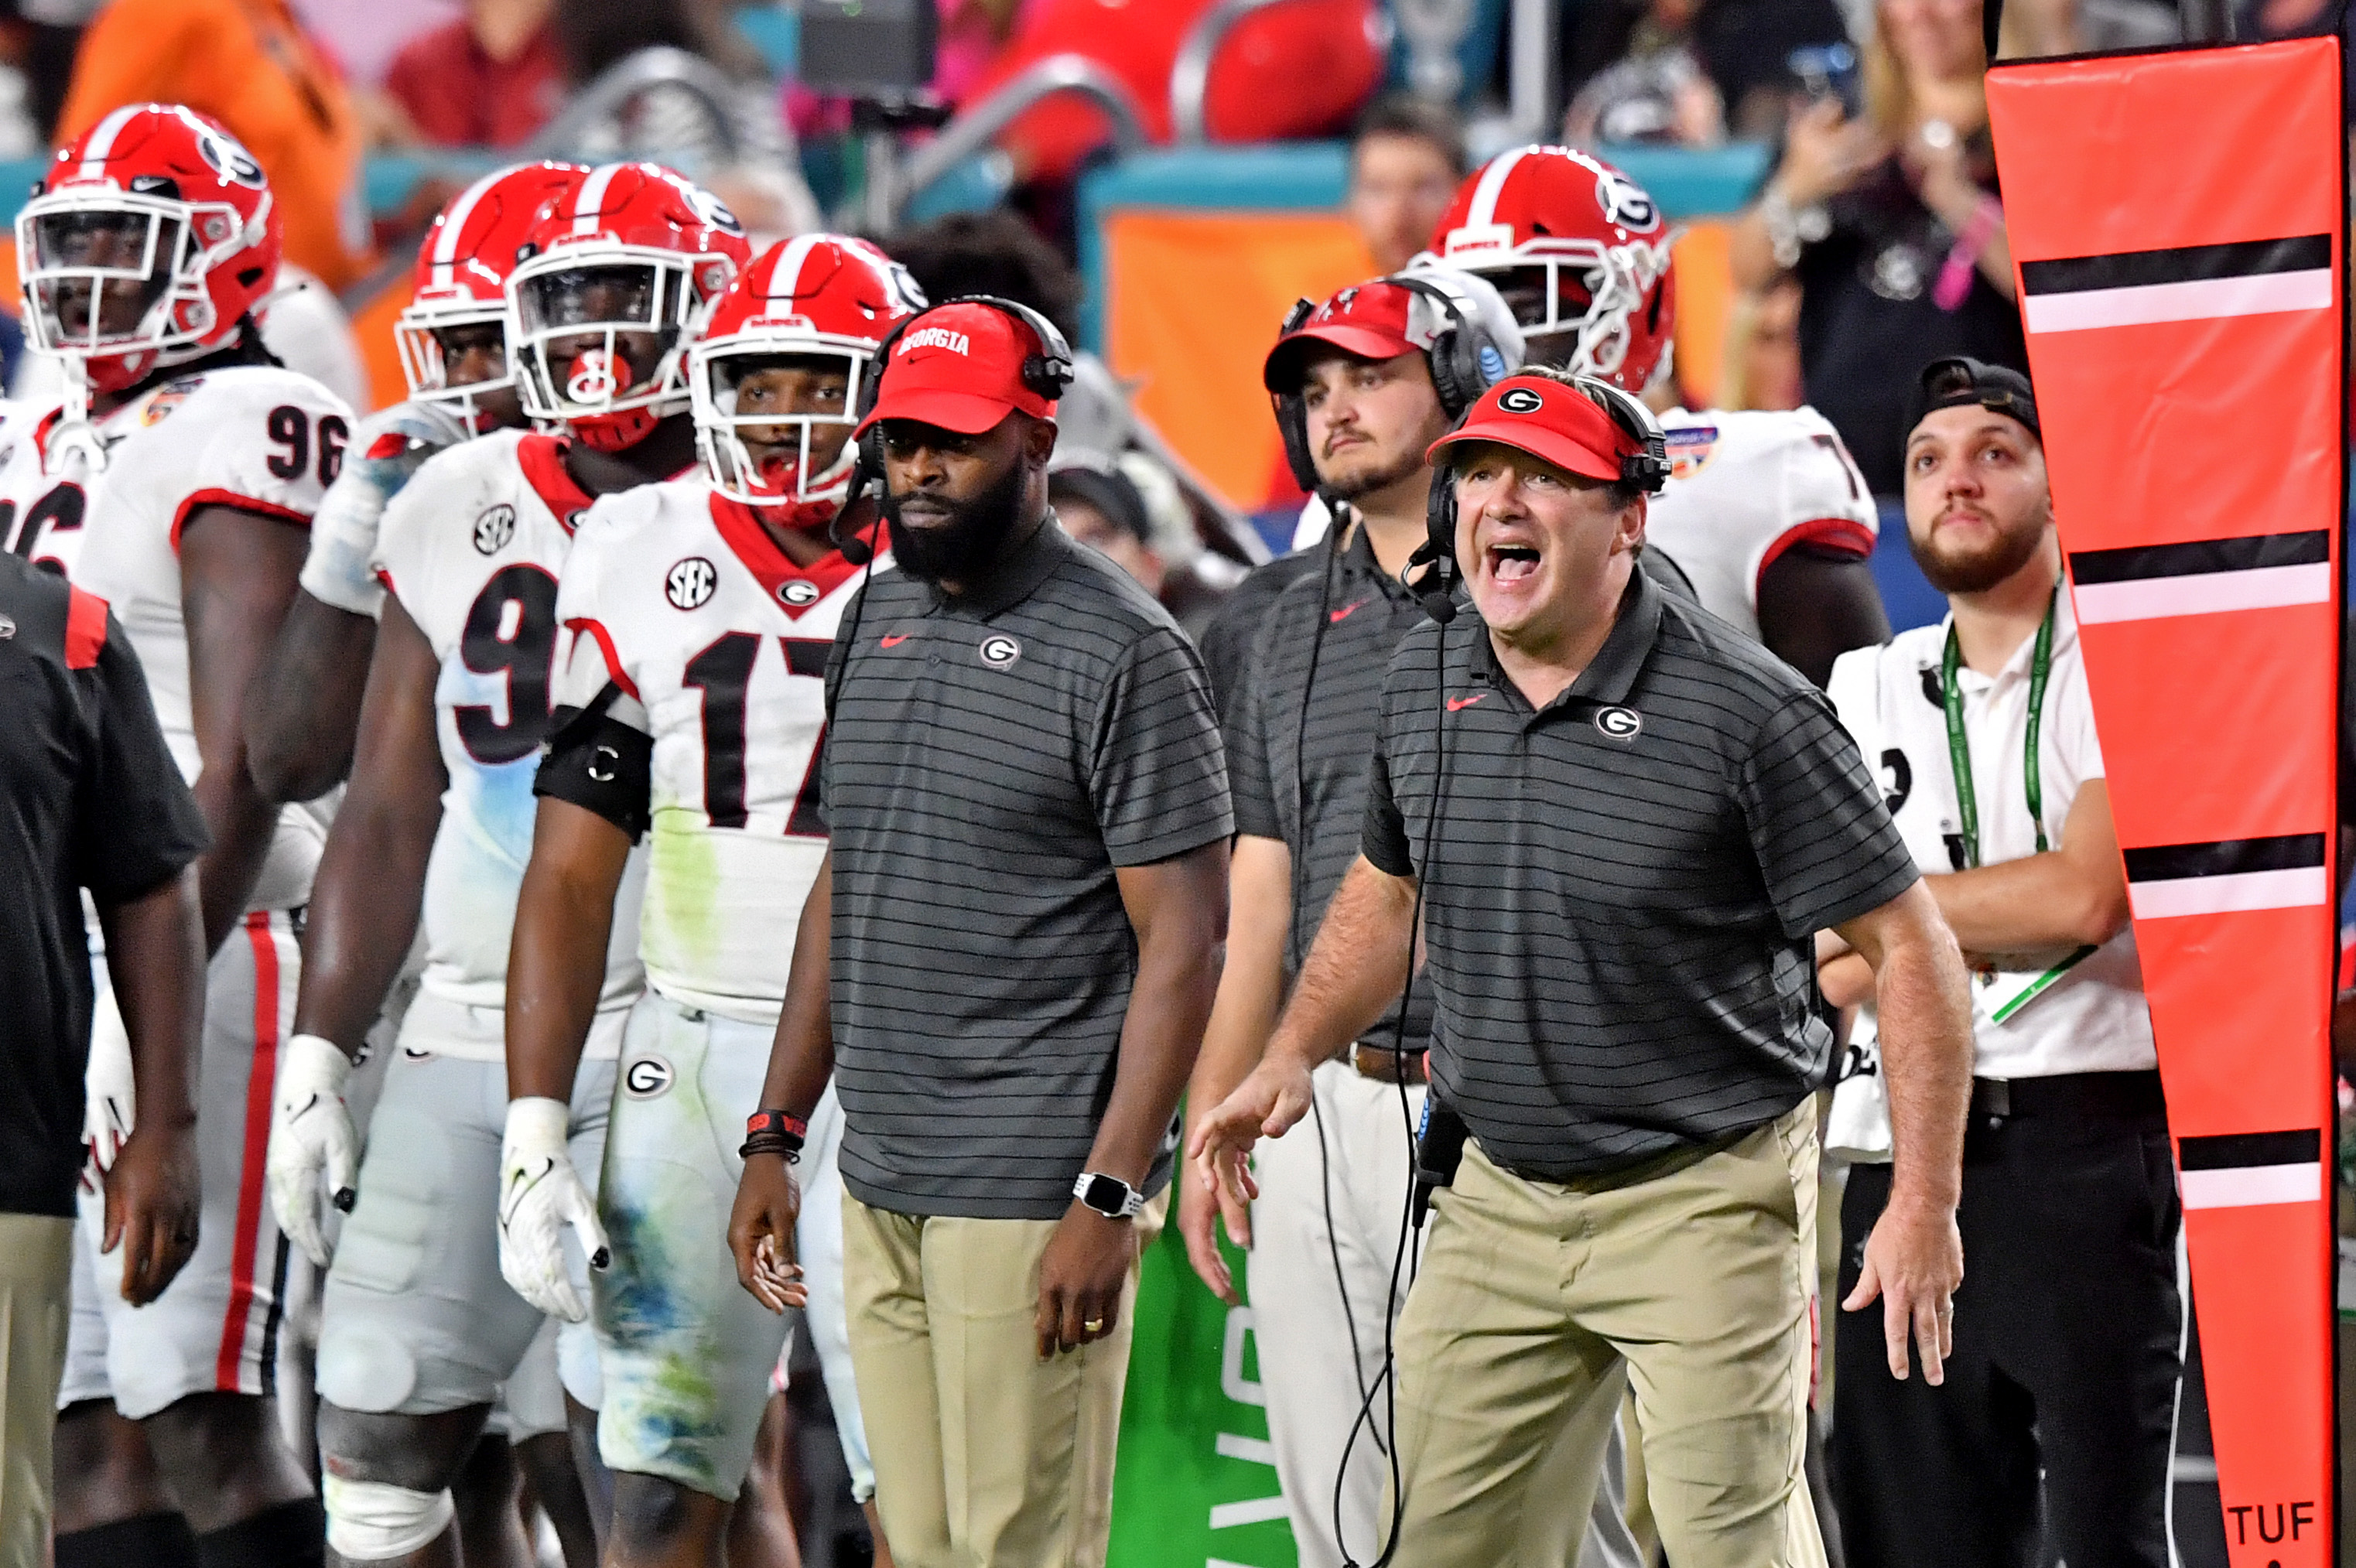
{"x":146,"y":244}
{"x":461,"y":275}
{"x":825,"y":298}
{"x":637,"y":252}
{"x":1576,"y":246}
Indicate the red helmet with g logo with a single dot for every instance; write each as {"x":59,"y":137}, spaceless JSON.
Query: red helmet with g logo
{"x":146,"y":244}
{"x":462,"y":272}
{"x":819,"y":301}
{"x":1579,"y":251}
{"x":619,"y":276}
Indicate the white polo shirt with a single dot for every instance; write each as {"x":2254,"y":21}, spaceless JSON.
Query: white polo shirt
{"x":2091,"y":1018}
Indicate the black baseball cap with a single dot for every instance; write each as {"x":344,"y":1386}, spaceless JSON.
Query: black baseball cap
{"x":1958,"y":381}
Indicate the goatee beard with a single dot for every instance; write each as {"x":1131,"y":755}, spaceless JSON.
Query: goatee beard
{"x":966,"y":544}
{"x":1981,"y":570}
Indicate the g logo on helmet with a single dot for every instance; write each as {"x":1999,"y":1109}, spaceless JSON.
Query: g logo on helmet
{"x":689,"y":582}
{"x":494,"y":528}
{"x":1520,"y":400}
{"x":1624,"y":203}
{"x":712,"y":210}
{"x":645,"y":1077}
{"x":1618,"y":723}
{"x":229,"y":160}
{"x":1000,"y":651}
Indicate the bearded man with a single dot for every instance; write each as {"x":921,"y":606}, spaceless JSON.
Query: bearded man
{"x":2063,"y":1379}
{"x":1006,"y":961}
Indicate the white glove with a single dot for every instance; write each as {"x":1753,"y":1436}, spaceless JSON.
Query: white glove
{"x":385,"y":449}
{"x":106,"y":1088}
{"x":311,"y":1135}
{"x":540,"y":1194}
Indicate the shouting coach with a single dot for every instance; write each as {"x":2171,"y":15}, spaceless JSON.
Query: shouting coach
{"x":1019,"y":915}
{"x":1621,"y":824}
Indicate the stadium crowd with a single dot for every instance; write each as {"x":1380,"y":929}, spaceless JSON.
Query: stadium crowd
{"x":722,"y":869}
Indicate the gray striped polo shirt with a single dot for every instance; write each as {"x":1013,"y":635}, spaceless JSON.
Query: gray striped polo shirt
{"x":1301,"y":731}
{"x":1620,"y":889}
{"x":990,"y":759}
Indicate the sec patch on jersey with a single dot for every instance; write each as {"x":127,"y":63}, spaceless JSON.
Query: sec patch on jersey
{"x":689,"y":583}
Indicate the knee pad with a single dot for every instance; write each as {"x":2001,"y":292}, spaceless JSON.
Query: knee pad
{"x":369,"y":1521}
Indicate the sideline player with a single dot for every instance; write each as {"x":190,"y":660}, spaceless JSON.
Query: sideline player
{"x":145,"y":253}
{"x":302,"y":715}
{"x":702,"y":612}
{"x":419,"y":1332}
{"x":1765,"y":513}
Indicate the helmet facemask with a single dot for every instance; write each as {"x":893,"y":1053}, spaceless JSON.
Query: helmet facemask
{"x":1560,"y":288}
{"x":774,"y":415}
{"x":111,"y":275}
{"x":426,"y":362}
{"x":597,"y":339}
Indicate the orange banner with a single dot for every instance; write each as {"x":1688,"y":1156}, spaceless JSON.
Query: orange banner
{"x":2178,"y":227}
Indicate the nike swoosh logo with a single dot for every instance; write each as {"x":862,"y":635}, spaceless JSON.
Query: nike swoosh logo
{"x":895,"y":642}
{"x":1345,"y":613}
{"x":1456,"y":702}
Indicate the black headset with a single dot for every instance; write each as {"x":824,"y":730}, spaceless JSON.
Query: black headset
{"x":1646,"y":468}
{"x":1465,"y":362}
{"x":1047,"y":374}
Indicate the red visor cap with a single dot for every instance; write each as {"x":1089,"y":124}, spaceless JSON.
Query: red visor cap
{"x":959,"y":368}
{"x":1559,"y":424}
{"x":1373,"y":320}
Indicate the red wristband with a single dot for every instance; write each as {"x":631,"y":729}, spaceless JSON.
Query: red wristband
{"x":775,"y":1122}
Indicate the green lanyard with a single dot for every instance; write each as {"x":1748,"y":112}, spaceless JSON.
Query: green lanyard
{"x":1959,"y":748}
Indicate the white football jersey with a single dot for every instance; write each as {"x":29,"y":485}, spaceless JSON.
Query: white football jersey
{"x":387,"y":450}
{"x":44,"y":495}
{"x":1745,"y":487}
{"x":251,"y":437}
{"x":718,"y":644}
{"x":472,"y":548}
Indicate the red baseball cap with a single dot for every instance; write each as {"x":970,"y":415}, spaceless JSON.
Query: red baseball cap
{"x":1373,"y":320}
{"x":1550,"y":420}
{"x":959,"y":367}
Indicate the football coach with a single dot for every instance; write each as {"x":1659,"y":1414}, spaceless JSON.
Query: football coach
{"x":1621,"y":823}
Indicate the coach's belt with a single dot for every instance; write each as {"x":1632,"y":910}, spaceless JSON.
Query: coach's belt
{"x":1384,"y":1065}
{"x":2108,"y":1096}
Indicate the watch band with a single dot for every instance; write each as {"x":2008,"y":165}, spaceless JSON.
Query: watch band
{"x":1121,"y":1203}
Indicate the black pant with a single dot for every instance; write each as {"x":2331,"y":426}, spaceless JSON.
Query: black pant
{"x":2066,"y":1358}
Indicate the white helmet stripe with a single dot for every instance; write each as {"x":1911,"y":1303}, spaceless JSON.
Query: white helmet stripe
{"x":586,"y":205}
{"x":1492,"y":185}
{"x":788,"y":274}
{"x":445,"y":244}
{"x":102,"y":141}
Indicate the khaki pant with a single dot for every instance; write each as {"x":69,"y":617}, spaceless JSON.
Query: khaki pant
{"x":36,"y":1266}
{"x":1690,"y":1276}
{"x":985,"y":1456}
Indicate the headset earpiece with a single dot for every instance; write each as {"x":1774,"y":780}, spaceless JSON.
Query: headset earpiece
{"x":1436,"y":589}
{"x":1292,"y":407}
{"x":1464,"y":362}
{"x":1050,"y":372}
{"x":1647,"y":468}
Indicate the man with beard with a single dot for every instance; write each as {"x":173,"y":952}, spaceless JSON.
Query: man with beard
{"x":2065,"y":1360}
{"x":1006,"y":960}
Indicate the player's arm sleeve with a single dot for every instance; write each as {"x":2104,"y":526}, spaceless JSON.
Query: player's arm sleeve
{"x":135,"y":823}
{"x":600,"y":750}
{"x":1826,"y":846}
{"x":345,"y":565}
{"x":1156,"y":770}
{"x":1824,"y":505}
{"x":271,"y":449}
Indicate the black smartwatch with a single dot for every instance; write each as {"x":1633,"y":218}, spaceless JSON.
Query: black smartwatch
{"x":1107,"y":1195}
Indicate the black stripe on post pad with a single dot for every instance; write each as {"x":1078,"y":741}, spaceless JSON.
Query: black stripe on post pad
{"x":2237,"y":1151}
{"x":2197,"y":557}
{"x":2182,"y":264}
{"x":2226,"y":858}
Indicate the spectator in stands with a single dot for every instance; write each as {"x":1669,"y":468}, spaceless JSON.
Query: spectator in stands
{"x":488,"y":79}
{"x":1742,"y":48}
{"x":48,"y":33}
{"x":1405,"y":157}
{"x":1891,"y":223}
{"x":1762,"y":349}
{"x":1101,"y":508}
{"x":249,"y":65}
